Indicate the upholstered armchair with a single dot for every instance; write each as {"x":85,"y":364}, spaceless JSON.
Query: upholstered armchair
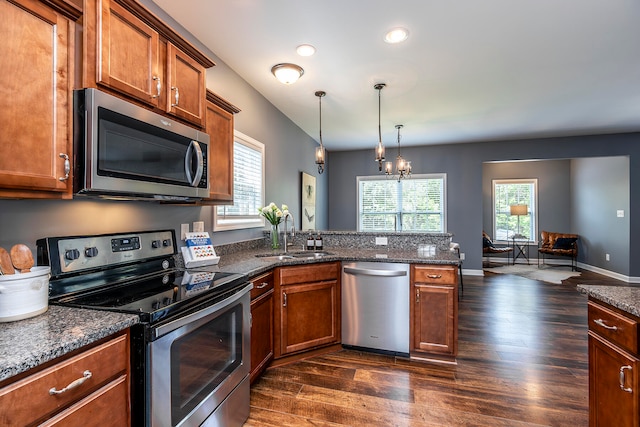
{"x":559,"y":244}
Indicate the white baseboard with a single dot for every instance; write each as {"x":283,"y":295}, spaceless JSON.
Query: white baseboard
{"x":612,"y":274}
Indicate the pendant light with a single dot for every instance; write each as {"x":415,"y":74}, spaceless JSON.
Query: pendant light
{"x":379,"y":147}
{"x":403,"y":167}
{"x":320,"y":153}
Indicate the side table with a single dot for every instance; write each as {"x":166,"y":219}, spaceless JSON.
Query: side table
{"x":520,"y":249}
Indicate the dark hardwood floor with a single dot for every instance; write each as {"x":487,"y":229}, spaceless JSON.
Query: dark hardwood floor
{"x":522,"y":362}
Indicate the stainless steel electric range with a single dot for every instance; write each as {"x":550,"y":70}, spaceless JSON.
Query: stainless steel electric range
{"x":190,"y":352}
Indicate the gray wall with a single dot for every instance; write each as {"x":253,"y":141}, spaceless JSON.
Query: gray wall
{"x":288,"y":152}
{"x":463,"y":164}
{"x":600,"y":187}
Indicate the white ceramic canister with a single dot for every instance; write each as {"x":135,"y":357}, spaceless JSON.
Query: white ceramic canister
{"x":24,"y":295}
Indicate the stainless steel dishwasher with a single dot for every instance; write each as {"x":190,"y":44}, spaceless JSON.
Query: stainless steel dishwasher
{"x":375,"y":306}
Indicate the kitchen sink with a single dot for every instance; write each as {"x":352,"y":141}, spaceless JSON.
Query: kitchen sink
{"x":292,"y":255}
{"x":309,"y":254}
{"x":270,"y":257}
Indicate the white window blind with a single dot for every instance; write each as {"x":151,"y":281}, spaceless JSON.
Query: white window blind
{"x":248,"y":187}
{"x":416,"y":204}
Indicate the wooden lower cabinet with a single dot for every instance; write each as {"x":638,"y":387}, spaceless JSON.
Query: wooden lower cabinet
{"x":261,"y":324}
{"x":614,"y":377}
{"x":308,"y":307}
{"x":91,"y":388}
{"x":434,"y":311}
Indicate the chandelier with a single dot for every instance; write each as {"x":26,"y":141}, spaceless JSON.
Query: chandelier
{"x":403,"y":167}
{"x":379,"y":147}
{"x":320,"y":153}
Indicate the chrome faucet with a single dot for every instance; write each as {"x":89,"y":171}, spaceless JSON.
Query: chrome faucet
{"x":293,"y":230}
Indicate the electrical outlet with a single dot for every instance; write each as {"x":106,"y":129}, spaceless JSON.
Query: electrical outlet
{"x":184,"y":229}
{"x":607,"y":257}
{"x":381,"y":240}
{"x":462,"y":256}
{"x":620,"y":213}
{"x":198,"y":226}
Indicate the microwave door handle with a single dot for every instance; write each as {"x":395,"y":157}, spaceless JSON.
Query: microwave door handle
{"x":194,"y":147}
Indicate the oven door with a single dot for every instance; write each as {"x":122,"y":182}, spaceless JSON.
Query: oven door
{"x":198,"y":361}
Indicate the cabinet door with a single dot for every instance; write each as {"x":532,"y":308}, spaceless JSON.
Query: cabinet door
{"x":613,"y":385}
{"x":261,"y":333}
{"x":186,"y":90}
{"x":127,"y":54}
{"x":219,"y":126}
{"x":35,"y":115}
{"x":434,"y":319}
{"x":309,"y":316}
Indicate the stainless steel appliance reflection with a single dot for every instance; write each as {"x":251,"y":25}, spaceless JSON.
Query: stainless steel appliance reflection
{"x":191,"y":349}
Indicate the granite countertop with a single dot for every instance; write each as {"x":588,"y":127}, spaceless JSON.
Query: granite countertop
{"x":248,"y":263}
{"x":27,"y":343}
{"x":626,"y":298}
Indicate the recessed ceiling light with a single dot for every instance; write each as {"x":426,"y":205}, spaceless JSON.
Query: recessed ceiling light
{"x":305,"y":50}
{"x":396,"y":35}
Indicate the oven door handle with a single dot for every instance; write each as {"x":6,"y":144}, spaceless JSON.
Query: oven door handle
{"x":193,"y":317}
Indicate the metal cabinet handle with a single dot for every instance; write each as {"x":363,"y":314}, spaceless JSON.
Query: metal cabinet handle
{"x":600,"y":322}
{"x":434,"y":276}
{"x":284,"y":296}
{"x":176,"y":96}
{"x":67,"y":167}
{"x":158,"y":86}
{"x":262,"y":285}
{"x":417,"y":296}
{"x":85,"y":376}
{"x":621,"y":379}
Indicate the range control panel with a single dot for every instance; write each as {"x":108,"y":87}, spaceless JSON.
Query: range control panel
{"x":78,"y":253}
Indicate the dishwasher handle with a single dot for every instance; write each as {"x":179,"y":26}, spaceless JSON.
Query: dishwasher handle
{"x":373,"y":272}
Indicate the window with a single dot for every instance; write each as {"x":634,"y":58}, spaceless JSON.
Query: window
{"x":417,"y":204}
{"x":514,"y":192}
{"x":248,"y":187}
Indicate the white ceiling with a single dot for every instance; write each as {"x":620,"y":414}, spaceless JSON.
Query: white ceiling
{"x":470,"y":71}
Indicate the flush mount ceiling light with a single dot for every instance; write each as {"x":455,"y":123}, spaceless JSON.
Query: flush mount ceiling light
{"x":320,"y":150}
{"x":403,"y":167}
{"x":379,"y":147}
{"x":396,"y":35}
{"x":287,"y":73}
{"x":305,"y":50}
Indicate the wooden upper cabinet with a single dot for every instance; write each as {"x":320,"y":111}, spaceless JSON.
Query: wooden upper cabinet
{"x":185,"y":86}
{"x":129,"y":54}
{"x":128,"y":51}
{"x":36,"y":64}
{"x":219,"y":125}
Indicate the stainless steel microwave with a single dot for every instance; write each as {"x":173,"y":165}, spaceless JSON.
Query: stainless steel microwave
{"x":125,"y":151}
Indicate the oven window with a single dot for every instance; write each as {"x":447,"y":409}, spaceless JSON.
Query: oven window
{"x":202,"y":359}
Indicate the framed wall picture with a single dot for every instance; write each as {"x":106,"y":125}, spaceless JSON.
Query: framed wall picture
{"x":308,"y":202}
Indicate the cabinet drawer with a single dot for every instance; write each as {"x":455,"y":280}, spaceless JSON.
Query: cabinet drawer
{"x":443,"y":275}
{"x":261,"y":285}
{"x":309,"y":273}
{"x":108,"y":406}
{"x":29,"y":400}
{"x":614,"y":327}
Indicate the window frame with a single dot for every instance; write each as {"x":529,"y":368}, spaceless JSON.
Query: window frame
{"x":220,"y":223}
{"x":399,"y":213}
{"x":532,"y":207}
